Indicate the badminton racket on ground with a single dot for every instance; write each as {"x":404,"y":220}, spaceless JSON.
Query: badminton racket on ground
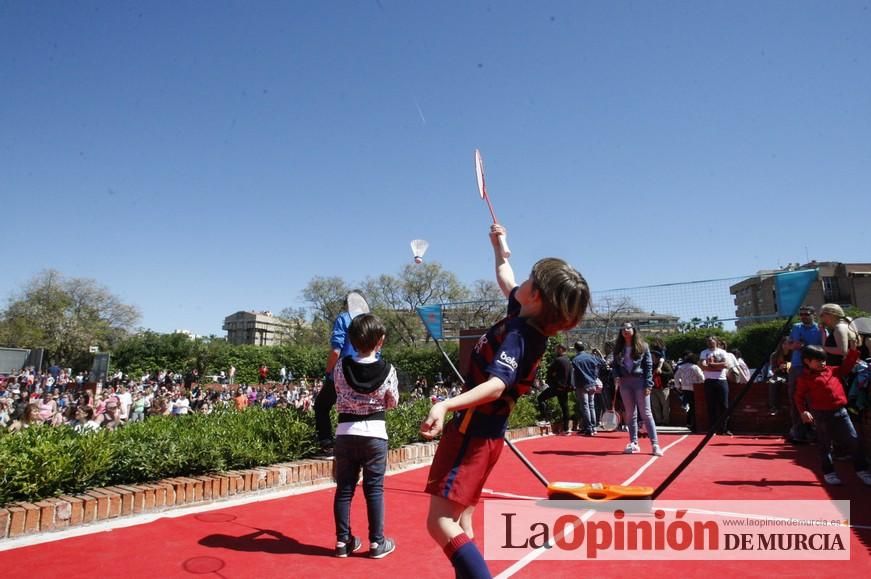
{"x":596,"y":492}
{"x":357,"y":305}
{"x":610,"y":418}
{"x":482,"y":190}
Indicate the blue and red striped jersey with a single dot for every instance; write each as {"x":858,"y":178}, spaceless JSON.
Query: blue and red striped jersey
{"x":510,"y":350}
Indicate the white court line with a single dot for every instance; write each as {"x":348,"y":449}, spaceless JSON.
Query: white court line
{"x":511,"y":495}
{"x":644,"y":467}
{"x":533,"y":555}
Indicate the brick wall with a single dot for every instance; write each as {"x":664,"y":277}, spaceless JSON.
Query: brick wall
{"x":18,"y":519}
{"x":751,"y":416}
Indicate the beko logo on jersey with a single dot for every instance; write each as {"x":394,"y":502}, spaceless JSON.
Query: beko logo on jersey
{"x":508,"y":360}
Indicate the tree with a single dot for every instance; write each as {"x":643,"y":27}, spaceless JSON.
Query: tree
{"x":302,"y":332}
{"x":605,"y":315}
{"x":326,"y":296}
{"x":487,"y":308}
{"x":65,"y":317}
{"x":693,"y":324}
{"x":712,"y":322}
{"x":395,"y":299}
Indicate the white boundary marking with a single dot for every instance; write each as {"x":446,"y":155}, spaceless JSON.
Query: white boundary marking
{"x":533,"y":555}
{"x":511,"y":495}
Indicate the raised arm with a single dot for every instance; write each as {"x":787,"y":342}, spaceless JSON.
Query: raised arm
{"x":504,"y":272}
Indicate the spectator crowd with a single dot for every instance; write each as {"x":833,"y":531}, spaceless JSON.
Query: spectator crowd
{"x":59,"y":397}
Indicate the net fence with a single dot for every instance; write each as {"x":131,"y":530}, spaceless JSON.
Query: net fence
{"x":724,"y":303}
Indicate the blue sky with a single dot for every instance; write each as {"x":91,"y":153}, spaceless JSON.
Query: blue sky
{"x":198,"y":158}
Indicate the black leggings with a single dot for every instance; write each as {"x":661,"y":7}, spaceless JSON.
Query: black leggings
{"x":324,"y":402}
{"x":562,"y":397}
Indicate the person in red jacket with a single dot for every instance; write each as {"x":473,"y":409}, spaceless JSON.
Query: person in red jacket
{"x":820,"y":400}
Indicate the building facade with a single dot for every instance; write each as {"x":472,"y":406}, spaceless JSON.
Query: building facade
{"x":256,"y":328}
{"x":846,"y":284}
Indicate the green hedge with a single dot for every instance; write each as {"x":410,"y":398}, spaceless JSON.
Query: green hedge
{"x":150,"y":352}
{"x":45,"y":461}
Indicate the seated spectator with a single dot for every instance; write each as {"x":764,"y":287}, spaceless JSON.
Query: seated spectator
{"x":137,"y":409}
{"x":159,"y":406}
{"x":180,"y":405}
{"x":28,"y":418}
{"x":48,"y":411}
{"x":241,"y":400}
{"x":20,"y":402}
{"x":111,"y":414}
{"x":5,"y":412}
{"x":84,"y":420}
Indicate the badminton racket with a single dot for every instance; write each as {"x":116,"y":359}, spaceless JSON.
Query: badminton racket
{"x":482,"y":190}
{"x":357,"y":305}
{"x":610,"y":418}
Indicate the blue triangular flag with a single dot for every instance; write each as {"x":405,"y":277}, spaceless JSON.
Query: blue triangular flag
{"x":432,"y":319}
{"x":791,"y":288}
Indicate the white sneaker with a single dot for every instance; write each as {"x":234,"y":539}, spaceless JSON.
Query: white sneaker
{"x":832,"y":478}
{"x":656,"y":450}
{"x":864,"y":476}
{"x":631,"y":448}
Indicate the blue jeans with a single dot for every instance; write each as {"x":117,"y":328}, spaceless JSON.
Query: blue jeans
{"x":354,"y":453}
{"x":836,"y":426}
{"x":587,"y":409}
{"x":634,"y":399}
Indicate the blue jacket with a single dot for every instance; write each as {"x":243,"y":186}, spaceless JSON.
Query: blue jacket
{"x":585,"y":368}
{"x":641,"y":367}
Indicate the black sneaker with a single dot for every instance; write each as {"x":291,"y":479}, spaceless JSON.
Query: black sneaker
{"x":386,"y":547}
{"x":327,"y":453}
{"x":345,"y":549}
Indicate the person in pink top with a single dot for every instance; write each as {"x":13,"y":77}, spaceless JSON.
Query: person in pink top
{"x":47,"y":408}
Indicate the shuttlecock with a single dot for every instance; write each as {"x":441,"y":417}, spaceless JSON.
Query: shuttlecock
{"x":418,"y":248}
